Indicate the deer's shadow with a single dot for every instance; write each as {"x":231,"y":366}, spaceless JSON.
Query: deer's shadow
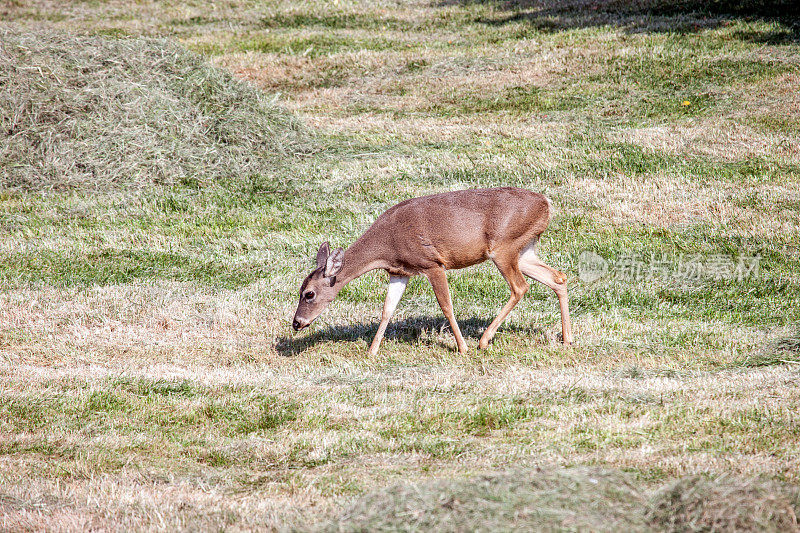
{"x":413,"y":330}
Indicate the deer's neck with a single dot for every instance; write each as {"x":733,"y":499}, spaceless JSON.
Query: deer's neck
{"x":361,"y":257}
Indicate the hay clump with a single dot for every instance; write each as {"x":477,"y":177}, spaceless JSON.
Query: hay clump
{"x":694,"y":503}
{"x":102,"y":113}
{"x":575,"y":499}
{"x":581,"y":499}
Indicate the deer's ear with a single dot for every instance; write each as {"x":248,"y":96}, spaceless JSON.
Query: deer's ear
{"x":322,"y":254}
{"x":334,"y":263}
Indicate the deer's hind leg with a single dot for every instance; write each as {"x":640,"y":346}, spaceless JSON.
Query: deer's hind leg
{"x":508,"y":265}
{"x":533,"y":267}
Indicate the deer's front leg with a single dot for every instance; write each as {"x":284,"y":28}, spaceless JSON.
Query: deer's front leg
{"x":397,"y":286}
{"x":438,"y":279}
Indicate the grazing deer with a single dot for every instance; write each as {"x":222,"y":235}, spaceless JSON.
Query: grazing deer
{"x":433,"y":234}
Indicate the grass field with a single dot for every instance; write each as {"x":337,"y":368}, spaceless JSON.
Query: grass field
{"x":157,"y":217}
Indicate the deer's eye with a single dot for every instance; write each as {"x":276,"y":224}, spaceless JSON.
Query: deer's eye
{"x":309,"y":295}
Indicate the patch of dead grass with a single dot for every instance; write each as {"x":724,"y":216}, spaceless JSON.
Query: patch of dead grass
{"x":721,"y":140}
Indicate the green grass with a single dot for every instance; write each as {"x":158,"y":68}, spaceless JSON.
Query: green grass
{"x":124,"y":266}
{"x":313,"y":45}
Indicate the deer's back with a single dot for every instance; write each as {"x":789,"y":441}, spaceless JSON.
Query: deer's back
{"x":461,"y":228}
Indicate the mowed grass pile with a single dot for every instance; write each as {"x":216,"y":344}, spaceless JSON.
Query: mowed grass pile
{"x":695,"y":503}
{"x":94,"y":112}
{"x":577,"y":499}
{"x":574,"y":499}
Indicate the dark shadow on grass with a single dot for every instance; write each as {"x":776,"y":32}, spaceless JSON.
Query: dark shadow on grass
{"x":407,"y":331}
{"x":645,"y":16}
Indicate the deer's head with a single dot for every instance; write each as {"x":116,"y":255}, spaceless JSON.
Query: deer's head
{"x":318,"y":289}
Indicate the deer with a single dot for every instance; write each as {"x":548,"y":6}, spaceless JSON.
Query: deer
{"x":430,"y":235}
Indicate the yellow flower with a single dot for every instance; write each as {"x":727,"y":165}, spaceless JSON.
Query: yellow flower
{"x":686,"y":102}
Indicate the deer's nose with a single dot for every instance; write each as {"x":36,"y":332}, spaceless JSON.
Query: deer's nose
{"x":297,"y":325}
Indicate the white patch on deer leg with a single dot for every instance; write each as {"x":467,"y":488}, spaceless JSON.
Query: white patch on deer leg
{"x":397,"y":286}
{"x":528,"y":256}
